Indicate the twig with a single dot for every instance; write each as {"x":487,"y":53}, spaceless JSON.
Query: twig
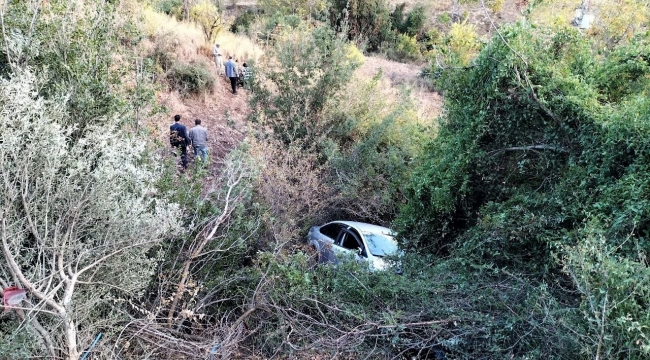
{"x":602,"y":328}
{"x":527,"y":148}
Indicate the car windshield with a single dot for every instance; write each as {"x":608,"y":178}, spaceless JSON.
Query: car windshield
{"x":380,"y":244}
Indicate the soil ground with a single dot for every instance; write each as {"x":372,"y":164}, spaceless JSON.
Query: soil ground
{"x":221,"y":112}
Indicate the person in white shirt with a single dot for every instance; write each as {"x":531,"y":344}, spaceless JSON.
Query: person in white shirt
{"x":218,"y":58}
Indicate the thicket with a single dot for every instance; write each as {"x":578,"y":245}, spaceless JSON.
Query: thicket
{"x":372,"y":23}
{"x":522,"y":215}
{"x":81,"y":223}
{"x":540,"y":170}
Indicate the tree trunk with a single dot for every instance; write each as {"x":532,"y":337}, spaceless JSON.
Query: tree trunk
{"x":186,"y":10}
{"x":71,"y":338}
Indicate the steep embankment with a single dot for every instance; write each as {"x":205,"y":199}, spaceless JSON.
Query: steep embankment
{"x":224,"y":114}
{"x":220,"y":111}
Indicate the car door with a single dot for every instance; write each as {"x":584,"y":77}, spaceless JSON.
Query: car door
{"x":323,"y":240}
{"x":349,"y":244}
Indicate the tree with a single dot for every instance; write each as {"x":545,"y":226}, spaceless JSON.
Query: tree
{"x":292,"y":94}
{"x":78,"y":218}
{"x":363,"y":21}
{"x":208,"y":16}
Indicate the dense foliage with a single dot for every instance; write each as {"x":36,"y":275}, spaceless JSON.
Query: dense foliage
{"x":542,"y":170}
{"x":522,"y":213}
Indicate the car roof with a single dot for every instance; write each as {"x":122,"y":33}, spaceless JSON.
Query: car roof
{"x":364,"y":227}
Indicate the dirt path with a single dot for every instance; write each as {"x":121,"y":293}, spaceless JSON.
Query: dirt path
{"x":220,"y":111}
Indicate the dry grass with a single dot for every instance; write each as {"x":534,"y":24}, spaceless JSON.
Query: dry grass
{"x":182,"y":38}
{"x":188,"y":41}
{"x":239,"y":46}
{"x":395,"y":75}
{"x":558,"y":12}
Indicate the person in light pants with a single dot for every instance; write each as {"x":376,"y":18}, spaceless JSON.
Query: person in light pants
{"x":199,"y":136}
{"x":218,"y":58}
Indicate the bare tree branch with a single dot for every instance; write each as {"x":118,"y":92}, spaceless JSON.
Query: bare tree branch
{"x":528,"y":148}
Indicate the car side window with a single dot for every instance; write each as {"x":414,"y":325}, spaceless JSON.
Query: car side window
{"x":331,"y":230}
{"x":351,"y":241}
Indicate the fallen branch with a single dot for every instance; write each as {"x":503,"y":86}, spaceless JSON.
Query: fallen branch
{"x":527,"y":148}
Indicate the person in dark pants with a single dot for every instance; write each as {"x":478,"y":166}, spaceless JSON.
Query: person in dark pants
{"x":178,"y":138}
{"x":245,"y":75}
{"x":231,"y":72}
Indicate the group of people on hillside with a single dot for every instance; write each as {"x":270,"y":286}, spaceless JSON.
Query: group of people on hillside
{"x":239,"y":77}
{"x":197,"y":137}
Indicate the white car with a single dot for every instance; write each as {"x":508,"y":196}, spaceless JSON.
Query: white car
{"x":351,"y":239}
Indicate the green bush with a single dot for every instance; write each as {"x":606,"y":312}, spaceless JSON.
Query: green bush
{"x":313,"y":66}
{"x":190,"y":79}
{"x":543,"y":169}
{"x":444,"y":18}
{"x":169,"y":7}
{"x":243,"y":21}
{"x":413,"y":24}
{"x":367,"y":21}
{"x":405,"y":48}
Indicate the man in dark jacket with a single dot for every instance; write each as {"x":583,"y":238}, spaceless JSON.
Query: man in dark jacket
{"x":178,"y":138}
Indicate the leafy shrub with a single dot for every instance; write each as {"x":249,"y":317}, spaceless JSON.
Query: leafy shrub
{"x":444,"y":18}
{"x":243,"y":21}
{"x":278,"y":25}
{"x":119,"y":222}
{"x":170,"y":7}
{"x":543,"y":169}
{"x":463,"y":42}
{"x":365,"y":21}
{"x":430,"y":40}
{"x":291,"y":96}
{"x":190,"y":79}
{"x":614,"y":290}
{"x":413,"y":24}
{"x":406,"y":47}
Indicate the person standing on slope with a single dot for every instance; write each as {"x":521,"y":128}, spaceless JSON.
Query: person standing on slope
{"x":199,"y":137}
{"x":231,"y":72}
{"x":178,"y":139}
{"x":218,"y":58}
{"x":245,"y":75}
